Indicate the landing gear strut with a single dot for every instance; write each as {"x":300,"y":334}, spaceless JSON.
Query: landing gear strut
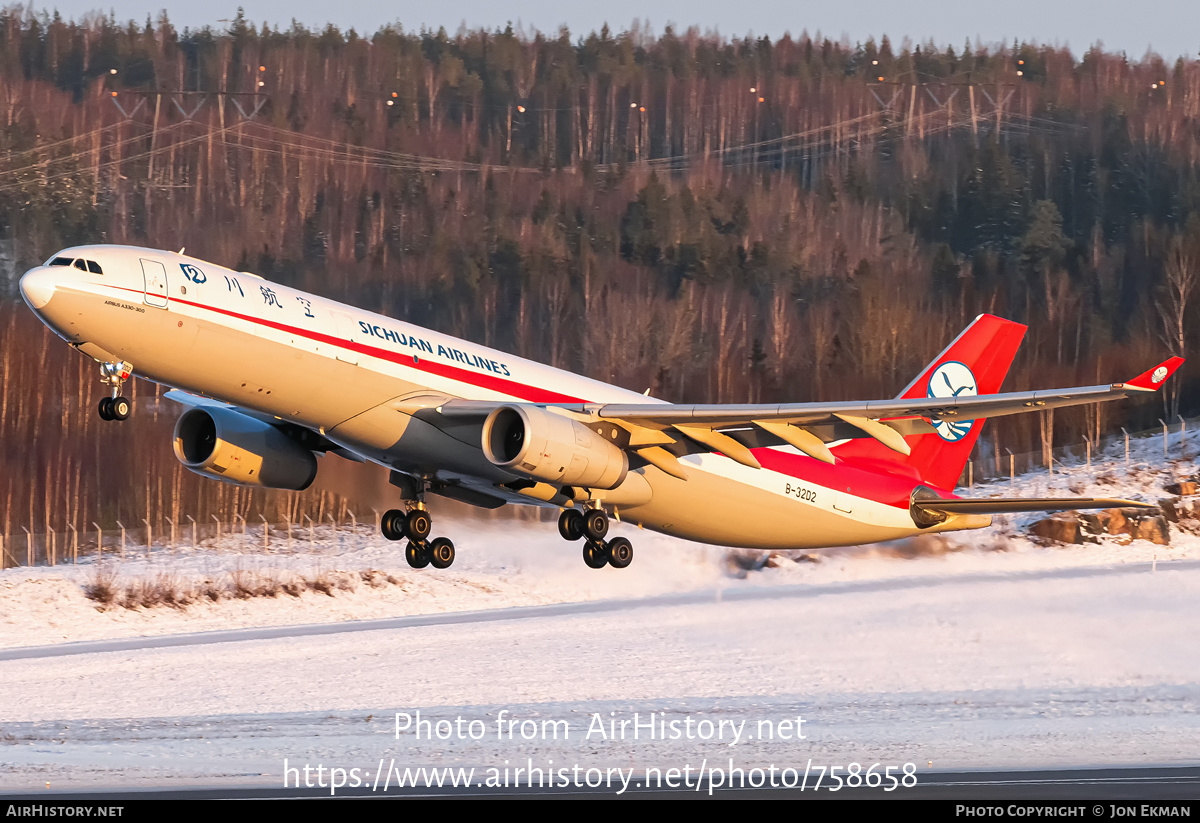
{"x":415,"y":525}
{"x":592,"y":524}
{"x":114,"y":374}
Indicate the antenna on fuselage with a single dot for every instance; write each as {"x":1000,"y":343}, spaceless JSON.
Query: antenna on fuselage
{"x":181,"y":248}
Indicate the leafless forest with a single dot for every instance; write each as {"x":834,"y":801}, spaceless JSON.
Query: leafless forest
{"x":716,"y":220}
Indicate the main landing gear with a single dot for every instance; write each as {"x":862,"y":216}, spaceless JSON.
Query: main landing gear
{"x":592,"y":524}
{"x":416,"y":525}
{"x":114,"y":374}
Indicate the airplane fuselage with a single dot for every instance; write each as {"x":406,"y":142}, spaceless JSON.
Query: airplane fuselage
{"x":369,"y":383}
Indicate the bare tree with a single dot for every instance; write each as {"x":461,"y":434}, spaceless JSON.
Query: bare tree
{"x":1172,"y":308}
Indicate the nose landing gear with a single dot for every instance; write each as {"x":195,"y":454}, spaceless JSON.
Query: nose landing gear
{"x":114,"y":374}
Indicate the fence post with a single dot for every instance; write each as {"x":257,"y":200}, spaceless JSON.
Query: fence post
{"x":3,"y":555}
{"x":50,"y":544}
{"x":1164,"y":425}
{"x":74,"y":544}
{"x":218,"y":522}
{"x":336,"y":536}
{"x":171,"y":543}
{"x":970,"y":474}
{"x":99,"y":542}
{"x":1087,"y":445}
{"x":189,"y":517}
{"x":28,"y":547}
{"x":1182,"y":438}
{"x":1126,"y":446}
{"x":149,"y":537}
{"x":122,"y":526}
{"x":288,"y":519}
{"x":266,"y":534}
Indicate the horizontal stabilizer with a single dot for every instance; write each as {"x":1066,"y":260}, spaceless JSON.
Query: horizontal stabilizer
{"x":1014,"y":505}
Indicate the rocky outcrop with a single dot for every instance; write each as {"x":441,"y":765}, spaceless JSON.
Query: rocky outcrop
{"x":1080,"y":527}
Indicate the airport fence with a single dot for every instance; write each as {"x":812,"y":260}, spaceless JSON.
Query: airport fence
{"x":51,"y":548}
{"x":1144,"y":449}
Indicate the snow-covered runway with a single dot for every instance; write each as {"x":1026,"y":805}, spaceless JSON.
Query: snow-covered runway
{"x":1049,"y":668}
{"x":974,"y":651}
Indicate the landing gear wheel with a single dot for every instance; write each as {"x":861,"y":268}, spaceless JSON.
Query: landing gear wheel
{"x":620,"y":552}
{"x":392,"y":524}
{"x":441,"y":553}
{"x":120,"y":408}
{"x":106,"y":408}
{"x":595,"y":554}
{"x":417,"y":555}
{"x":417,"y":525}
{"x":570,"y":524}
{"x":595,"y":524}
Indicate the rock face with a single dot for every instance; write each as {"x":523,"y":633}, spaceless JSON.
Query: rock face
{"x":1183,"y":488}
{"x":1076,"y":527}
{"x":1061,"y":528}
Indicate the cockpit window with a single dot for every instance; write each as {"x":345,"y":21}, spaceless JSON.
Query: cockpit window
{"x":61,"y":261}
{"x":80,"y":264}
{"x":94,"y":267}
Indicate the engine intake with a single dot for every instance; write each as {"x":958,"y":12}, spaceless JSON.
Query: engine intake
{"x":537,"y":443}
{"x":237,"y":448}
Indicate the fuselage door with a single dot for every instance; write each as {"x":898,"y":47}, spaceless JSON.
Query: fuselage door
{"x":346,"y":326}
{"x":156,"y":283}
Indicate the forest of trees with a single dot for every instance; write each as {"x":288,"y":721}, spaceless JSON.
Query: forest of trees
{"x":716,"y":220}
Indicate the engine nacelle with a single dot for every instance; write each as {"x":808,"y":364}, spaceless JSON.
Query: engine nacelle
{"x":237,"y":448}
{"x":539,"y":444}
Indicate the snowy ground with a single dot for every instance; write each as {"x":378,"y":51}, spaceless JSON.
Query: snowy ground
{"x":969,"y":651}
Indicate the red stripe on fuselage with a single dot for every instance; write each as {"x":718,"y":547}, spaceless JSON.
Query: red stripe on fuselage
{"x":484,"y":381}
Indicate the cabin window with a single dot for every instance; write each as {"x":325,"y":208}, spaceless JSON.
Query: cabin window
{"x":94,"y":267}
{"x":61,"y":261}
{"x":81,"y":265}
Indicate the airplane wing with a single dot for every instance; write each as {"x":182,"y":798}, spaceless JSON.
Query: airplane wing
{"x":935,"y":408}
{"x":661,"y":432}
{"x":730,"y":429}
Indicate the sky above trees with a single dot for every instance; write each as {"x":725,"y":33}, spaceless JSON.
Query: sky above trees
{"x":1169,"y":27}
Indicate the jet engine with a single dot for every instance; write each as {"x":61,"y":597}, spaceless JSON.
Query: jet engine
{"x":237,"y":448}
{"x":539,"y":444}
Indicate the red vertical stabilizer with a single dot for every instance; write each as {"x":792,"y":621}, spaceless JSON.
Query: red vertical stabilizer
{"x":976,"y":362}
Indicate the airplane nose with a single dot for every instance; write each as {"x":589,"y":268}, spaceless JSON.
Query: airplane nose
{"x":37,"y":287}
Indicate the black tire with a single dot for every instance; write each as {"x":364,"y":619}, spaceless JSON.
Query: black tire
{"x":570,"y":524}
{"x":391,"y":524}
{"x":106,"y":408}
{"x":418,"y":524}
{"x":620,"y":552}
{"x":595,"y":524}
{"x":120,"y":408}
{"x":441,"y":553}
{"x":595,"y":555}
{"x":417,"y":555}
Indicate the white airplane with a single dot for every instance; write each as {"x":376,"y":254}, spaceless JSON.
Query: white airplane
{"x":272,"y":377}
